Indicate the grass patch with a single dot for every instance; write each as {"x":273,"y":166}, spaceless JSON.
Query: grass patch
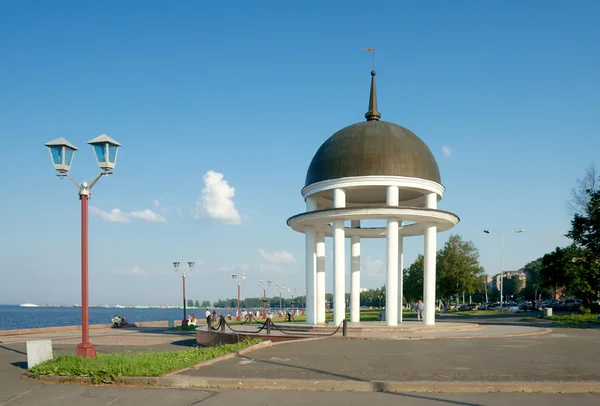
{"x":107,"y":367}
{"x":574,"y":319}
{"x":475,"y":312}
{"x":366,"y":315}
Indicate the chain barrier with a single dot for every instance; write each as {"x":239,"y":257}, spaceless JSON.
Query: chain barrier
{"x":286,"y":330}
{"x":264,"y":325}
{"x":307,"y":334}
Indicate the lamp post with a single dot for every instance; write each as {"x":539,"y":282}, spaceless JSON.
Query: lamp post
{"x":238,"y":317}
{"x":293,"y":292}
{"x":522,"y":230}
{"x":61,"y":153}
{"x":184,"y":321}
{"x":264,"y":300}
{"x":280,"y":289}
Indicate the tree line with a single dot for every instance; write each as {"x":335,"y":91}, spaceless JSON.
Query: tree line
{"x":575,"y":269}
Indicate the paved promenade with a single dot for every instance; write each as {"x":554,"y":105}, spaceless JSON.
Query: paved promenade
{"x":565,"y":355}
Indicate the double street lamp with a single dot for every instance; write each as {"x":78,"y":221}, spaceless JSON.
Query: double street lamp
{"x":522,"y":230}
{"x":61,"y":153}
{"x":264,"y":297}
{"x":184,"y":272}
{"x":239,"y":286}
{"x":280,"y":290}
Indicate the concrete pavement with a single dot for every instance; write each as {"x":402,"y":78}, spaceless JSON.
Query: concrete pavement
{"x":565,"y":355}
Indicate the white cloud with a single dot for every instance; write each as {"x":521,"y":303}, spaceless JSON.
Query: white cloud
{"x":118,"y":216}
{"x":148,"y":215}
{"x":269,"y":268}
{"x":447,"y":151}
{"x":114,"y":216}
{"x":278,"y":257}
{"x":135,"y":270}
{"x":216,"y":201}
{"x":372,"y":267}
{"x":245,"y":267}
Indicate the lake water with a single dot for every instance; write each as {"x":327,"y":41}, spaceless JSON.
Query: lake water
{"x":15,"y":317}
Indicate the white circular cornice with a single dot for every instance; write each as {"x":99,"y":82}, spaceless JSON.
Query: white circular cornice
{"x":424,"y":185}
{"x":320,"y":220}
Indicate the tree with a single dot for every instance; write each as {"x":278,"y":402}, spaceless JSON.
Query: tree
{"x":413,"y":280}
{"x":190,"y":303}
{"x":577,"y":267}
{"x":534,"y":288}
{"x":205,"y":304}
{"x":197,"y":303}
{"x":580,"y":195}
{"x":513,"y":285}
{"x":459,"y":271}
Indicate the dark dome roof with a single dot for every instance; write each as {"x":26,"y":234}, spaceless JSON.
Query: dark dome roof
{"x":373,"y":148}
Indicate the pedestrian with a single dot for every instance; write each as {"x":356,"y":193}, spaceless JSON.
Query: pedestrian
{"x":207,"y":315}
{"x":419,"y":308}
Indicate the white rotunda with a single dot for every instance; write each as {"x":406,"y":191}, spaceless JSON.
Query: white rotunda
{"x":371,"y":170}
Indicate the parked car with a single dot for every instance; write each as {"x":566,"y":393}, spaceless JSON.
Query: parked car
{"x":572,"y":304}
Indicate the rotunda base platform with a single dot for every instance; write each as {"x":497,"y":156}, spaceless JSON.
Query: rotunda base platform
{"x":410,"y":330}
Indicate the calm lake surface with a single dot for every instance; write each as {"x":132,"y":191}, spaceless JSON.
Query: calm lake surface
{"x":15,"y":317}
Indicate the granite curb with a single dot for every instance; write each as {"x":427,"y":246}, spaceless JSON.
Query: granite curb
{"x":193,"y":382}
{"x":183,"y":381}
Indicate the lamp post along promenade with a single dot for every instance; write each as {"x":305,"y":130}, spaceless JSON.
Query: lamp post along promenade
{"x":61,"y":153}
{"x":184,"y":321}
{"x":238,"y":317}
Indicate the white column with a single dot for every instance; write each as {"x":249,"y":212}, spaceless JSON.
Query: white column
{"x":339,"y":258}
{"x":311,"y":266}
{"x":391,"y":286}
{"x":400,"y":274}
{"x":320,"y":278}
{"x":429,"y":265}
{"x":355,"y":275}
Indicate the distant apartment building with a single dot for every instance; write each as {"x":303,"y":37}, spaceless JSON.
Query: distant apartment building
{"x":494,"y":280}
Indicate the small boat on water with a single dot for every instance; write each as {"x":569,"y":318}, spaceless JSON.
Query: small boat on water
{"x":29,"y":305}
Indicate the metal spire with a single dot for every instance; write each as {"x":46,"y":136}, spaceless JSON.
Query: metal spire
{"x":373,"y":114}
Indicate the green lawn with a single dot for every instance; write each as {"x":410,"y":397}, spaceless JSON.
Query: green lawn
{"x":476,"y":312}
{"x":107,"y":367}
{"x":574,"y":319}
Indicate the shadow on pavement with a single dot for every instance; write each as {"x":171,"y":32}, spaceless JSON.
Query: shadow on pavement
{"x":377,"y":385}
{"x":20,"y":364}
{"x":13,"y":350}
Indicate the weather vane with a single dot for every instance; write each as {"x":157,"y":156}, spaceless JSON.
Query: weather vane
{"x":372,"y":51}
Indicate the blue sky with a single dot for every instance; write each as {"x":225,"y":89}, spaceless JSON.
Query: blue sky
{"x":245,"y":93}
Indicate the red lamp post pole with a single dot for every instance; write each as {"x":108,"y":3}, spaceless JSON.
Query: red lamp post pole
{"x":239,"y":315}
{"x":184,"y":321}
{"x":85,"y":348}
{"x":265,"y":303}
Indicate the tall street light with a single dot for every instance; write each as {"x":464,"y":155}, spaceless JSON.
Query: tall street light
{"x":280,"y":289}
{"x":239,"y":286}
{"x":264,"y":300}
{"x":184,"y":321}
{"x":522,"y":230}
{"x":61,"y":153}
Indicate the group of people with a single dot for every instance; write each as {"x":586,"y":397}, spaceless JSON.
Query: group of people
{"x":191,"y":319}
{"x":119,"y":321}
